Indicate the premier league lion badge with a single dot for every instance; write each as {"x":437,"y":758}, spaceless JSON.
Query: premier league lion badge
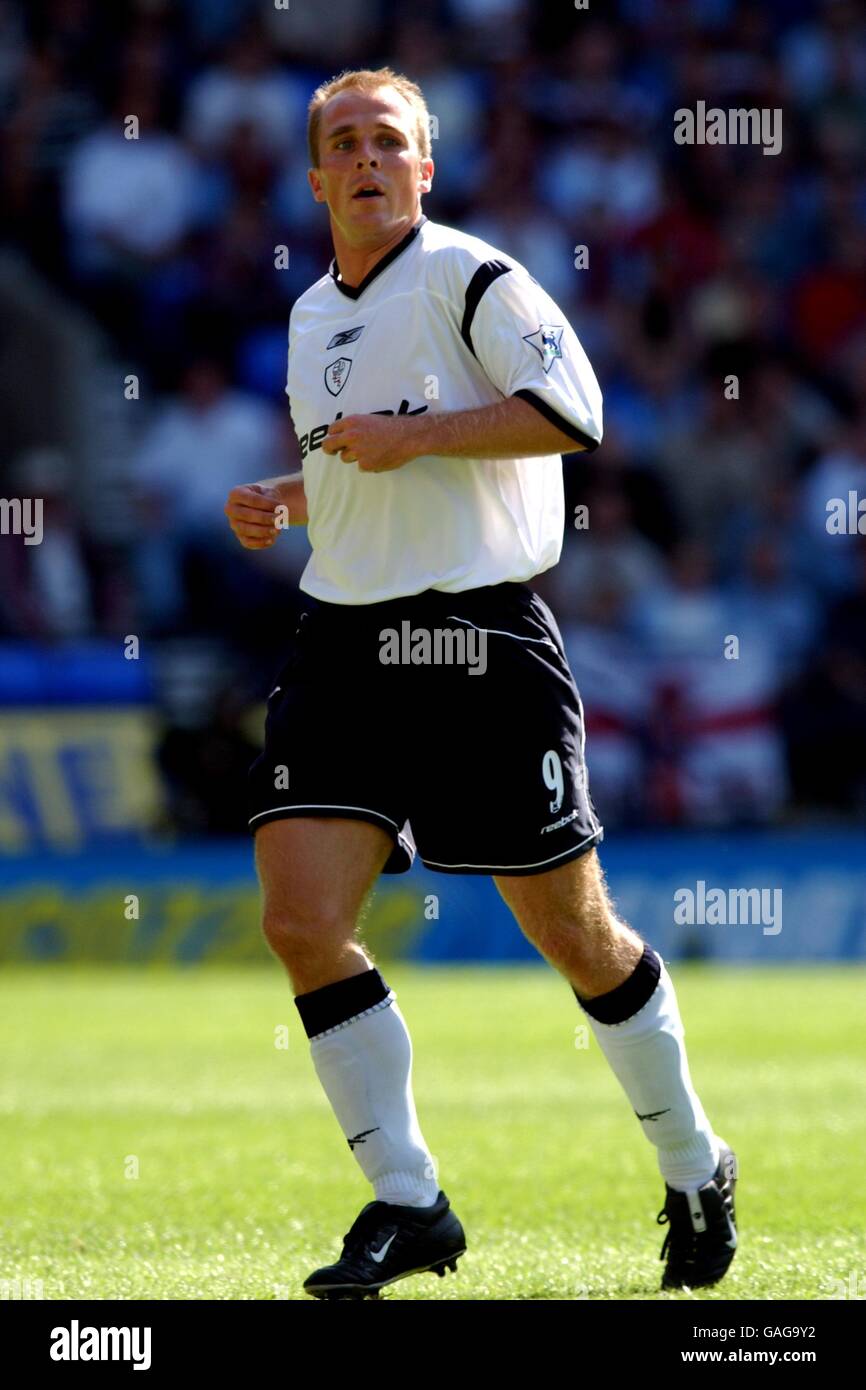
{"x":546,"y":340}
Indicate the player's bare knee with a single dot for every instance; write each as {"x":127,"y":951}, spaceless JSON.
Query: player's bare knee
{"x":300,"y":934}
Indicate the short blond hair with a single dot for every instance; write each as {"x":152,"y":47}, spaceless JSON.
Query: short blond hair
{"x":368,"y":80}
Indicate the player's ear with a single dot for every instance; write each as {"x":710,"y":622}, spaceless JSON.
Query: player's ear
{"x":426,"y":171}
{"x":316,"y":185}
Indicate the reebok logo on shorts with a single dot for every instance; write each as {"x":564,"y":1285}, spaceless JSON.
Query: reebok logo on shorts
{"x":558,"y":824}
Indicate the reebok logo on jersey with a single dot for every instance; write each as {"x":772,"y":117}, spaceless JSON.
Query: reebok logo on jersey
{"x":348,"y":335}
{"x":546,"y":340}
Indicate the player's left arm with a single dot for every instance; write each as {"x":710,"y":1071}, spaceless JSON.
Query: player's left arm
{"x":509,"y":429}
{"x":530,"y":353}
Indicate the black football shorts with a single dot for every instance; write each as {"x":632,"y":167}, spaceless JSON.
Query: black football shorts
{"x":450,"y":720}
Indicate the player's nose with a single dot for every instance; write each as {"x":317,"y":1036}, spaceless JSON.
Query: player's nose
{"x":367,"y":155}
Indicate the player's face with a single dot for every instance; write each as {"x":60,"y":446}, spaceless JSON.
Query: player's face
{"x":367,"y":142}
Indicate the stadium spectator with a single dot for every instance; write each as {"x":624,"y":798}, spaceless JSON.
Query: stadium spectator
{"x":45,"y":588}
{"x":188,"y":461}
{"x":824,"y":713}
{"x":249,"y":89}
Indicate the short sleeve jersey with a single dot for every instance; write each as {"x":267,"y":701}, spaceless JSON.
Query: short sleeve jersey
{"x":444,"y":322}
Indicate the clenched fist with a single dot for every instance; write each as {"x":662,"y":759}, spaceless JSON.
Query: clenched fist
{"x":377,"y":443}
{"x":251,"y":511}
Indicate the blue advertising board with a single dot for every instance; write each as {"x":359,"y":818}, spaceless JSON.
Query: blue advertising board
{"x":748,"y":896}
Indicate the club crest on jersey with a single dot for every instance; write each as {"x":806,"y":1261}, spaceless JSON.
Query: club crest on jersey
{"x":546,"y":340}
{"x":337,"y":374}
{"x":348,"y":335}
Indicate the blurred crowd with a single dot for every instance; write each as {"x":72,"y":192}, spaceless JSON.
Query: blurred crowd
{"x":716,"y":627}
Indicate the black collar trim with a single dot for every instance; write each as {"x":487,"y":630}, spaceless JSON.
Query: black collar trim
{"x":355,"y":291}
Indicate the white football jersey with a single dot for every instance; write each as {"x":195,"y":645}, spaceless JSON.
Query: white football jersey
{"x":444,"y":322}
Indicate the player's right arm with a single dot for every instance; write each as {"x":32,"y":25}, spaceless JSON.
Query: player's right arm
{"x":252,"y":509}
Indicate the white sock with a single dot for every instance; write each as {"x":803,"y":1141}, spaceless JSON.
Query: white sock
{"x":364,"y":1062}
{"x":647,"y":1054}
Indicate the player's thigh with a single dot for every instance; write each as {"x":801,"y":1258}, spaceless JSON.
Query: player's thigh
{"x":572,"y":895}
{"x":315,"y":873}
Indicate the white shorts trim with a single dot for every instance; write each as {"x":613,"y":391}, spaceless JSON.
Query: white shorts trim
{"x":506,"y":868}
{"x":498,"y":632}
{"x":323,"y":806}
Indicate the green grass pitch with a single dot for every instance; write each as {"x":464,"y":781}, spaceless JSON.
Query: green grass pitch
{"x":245,"y":1184}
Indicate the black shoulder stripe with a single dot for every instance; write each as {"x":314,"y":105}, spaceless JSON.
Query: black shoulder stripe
{"x":556,"y":419}
{"x":478,"y":285}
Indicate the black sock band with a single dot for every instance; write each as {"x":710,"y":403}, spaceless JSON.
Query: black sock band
{"x":626,"y":999}
{"x":334,"y":1004}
